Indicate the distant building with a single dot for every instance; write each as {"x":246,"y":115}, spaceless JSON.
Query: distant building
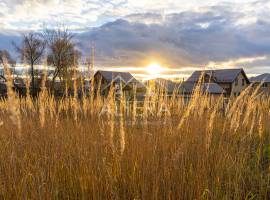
{"x":187,"y":88}
{"x":162,"y":85}
{"x":263,"y":81}
{"x":233,"y":81}
{"x":184,"y":89}
{"x":106,"y":79}
{"x":3,"y":87}
{"x":18,"y":86}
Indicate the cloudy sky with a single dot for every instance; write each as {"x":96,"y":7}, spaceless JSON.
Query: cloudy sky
{"x":180,"y":35}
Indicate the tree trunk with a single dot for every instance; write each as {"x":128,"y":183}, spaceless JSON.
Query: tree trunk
{"x":53,"y":81}
{"x":33,"y":80}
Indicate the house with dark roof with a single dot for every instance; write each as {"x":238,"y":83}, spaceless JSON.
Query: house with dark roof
{"x":262,"y":81}
{"x":18,"y":86}
{"x":233,"y":81}
{"x":106,"y":79}
{"x":187,"y":88}
{"x":3,"y":87}
{"x":162,"y":85}
{"x":184,"y":89}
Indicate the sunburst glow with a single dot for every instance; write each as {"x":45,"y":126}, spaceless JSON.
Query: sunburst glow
{"x":154,"y":69}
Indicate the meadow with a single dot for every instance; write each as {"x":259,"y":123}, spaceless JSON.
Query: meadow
{"x":98,"y":147}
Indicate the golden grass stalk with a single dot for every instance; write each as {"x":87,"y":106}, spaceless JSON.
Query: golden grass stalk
{"x":57,"y":159}
{"x":123,"y":107}
{"x":42,"y":102}
{"x":13,"y":101}
{"x":134,"y":105}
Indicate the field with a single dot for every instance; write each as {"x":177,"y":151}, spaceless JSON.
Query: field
{"x":100,"y":148}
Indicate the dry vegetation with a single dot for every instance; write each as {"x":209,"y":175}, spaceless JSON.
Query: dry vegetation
{"x":82,"y":149}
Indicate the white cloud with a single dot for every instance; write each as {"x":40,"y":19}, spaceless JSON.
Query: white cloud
{"x":31,"y":14}
{"x":236,"y":62}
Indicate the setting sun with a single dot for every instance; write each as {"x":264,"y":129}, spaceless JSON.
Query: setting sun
{"x":154,"y":69}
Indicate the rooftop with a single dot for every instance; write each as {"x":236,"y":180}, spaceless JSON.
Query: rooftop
{"x":211,"y":88}
{"x":220,"y":76}
{"x":261,"y":78}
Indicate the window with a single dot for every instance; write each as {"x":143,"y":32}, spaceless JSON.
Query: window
{"x":264,"y":85}
{"x":236,"y":82}
{"x":235,"y":94}
{"x":243,"y":82}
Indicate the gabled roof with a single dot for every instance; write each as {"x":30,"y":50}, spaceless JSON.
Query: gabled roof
{"x":125,"y":77}
{"x":186,"y":87}
{"x":168,"y":85}
{"x":114,"y":76}
{"x":261,"y":78}
{"x":211,"y":88}
{"x":220,"y":76}
{"x":138,"y":84}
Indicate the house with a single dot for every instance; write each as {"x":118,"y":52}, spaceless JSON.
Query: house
{"x":3,"y":87}
{"x":187,"y":89}
{"x":233,"y":81}
{"x":105,"y":79}
{"x":18,"y":86}
{"x":160,"y":84}
{"x":263,"y":81}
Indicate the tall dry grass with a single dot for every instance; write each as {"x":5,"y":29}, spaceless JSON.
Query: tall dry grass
{"x":108,"y":148}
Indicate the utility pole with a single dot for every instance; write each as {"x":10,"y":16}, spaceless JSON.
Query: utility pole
{"x":90,"y":64}
{"x":92,"y":60}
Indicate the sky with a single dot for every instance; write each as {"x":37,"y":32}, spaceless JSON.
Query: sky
{"x":180,"y":35}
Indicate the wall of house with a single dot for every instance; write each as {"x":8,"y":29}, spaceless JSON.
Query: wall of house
{"x":214,"y":98}
{"x":264,"y":88}
{"x":239,"y":85}
{"x":141,"y":91}
{"x":227,"y":87}
{"x":105,"y":87}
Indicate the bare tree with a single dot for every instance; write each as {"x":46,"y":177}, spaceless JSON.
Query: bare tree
{"x":6,"y":57}
{"x":31,"y":52}
{"x":62,"y":54}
